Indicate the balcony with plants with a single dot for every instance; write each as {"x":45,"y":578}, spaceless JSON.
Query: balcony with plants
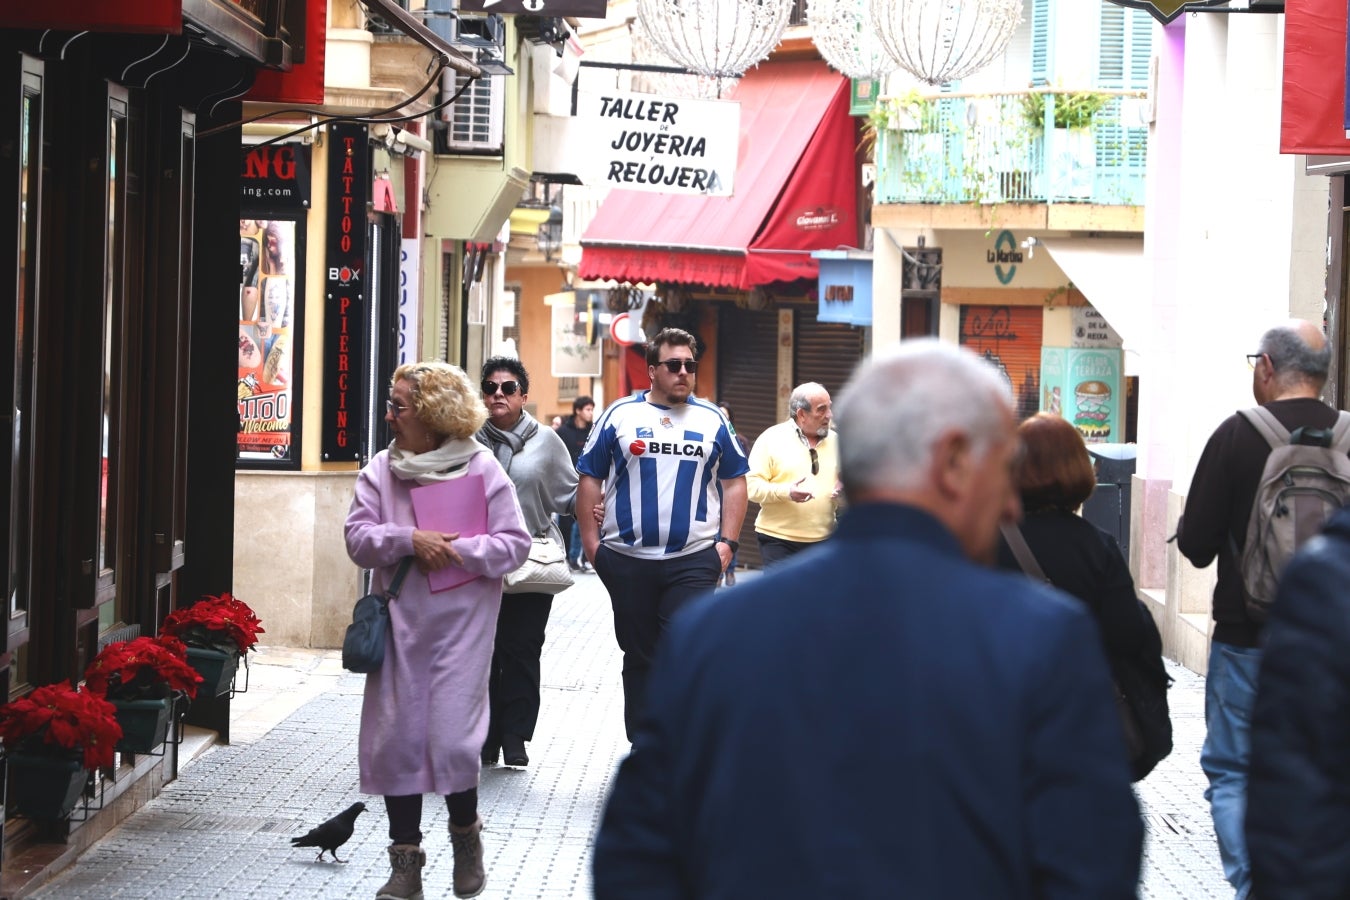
{"x":1040,"y":146}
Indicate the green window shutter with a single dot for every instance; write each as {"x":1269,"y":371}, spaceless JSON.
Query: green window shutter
{"x":1111,"y":46}
{"x":1141,"y":48}
{"x":1040,"y":42}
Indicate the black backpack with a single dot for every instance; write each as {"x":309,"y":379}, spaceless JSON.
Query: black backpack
{"x":1140,"y":680}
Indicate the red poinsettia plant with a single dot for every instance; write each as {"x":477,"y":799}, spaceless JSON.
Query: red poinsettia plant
{"x":141,"y":669}
{"x":223,"y":623}
{"x":59,"y":718}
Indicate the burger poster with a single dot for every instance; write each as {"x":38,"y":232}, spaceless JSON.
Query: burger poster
{"x":1084,"y":386}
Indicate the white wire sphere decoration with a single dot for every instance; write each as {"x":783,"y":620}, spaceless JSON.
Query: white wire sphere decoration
{"x":715,"y":38}
{"x":843,"y":33}
{"x":939,"y":41}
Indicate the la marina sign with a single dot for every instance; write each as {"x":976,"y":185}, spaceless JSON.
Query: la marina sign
{"x":668,"y":145}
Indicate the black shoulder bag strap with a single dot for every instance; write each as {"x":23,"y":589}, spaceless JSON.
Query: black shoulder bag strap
{"x":1025,"y":558}
{"x":391,"y":592}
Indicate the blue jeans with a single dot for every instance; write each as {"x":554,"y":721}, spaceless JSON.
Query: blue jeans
{"x":574,"y":551}
{"x":1230,"y":689}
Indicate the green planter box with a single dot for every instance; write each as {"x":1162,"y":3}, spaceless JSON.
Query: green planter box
{"x":145,"y":724}
{"x":45,"y":787}
{"x":216,"y":669}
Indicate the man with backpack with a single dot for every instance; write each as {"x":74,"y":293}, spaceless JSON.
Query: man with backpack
{"x":1224,"y":519}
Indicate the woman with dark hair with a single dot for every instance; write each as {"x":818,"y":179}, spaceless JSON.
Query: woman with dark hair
{"x":537,"y":462}
{"x":1054,"y":479}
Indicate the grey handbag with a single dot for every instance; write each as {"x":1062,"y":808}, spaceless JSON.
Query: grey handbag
{"x":363,"y":645}
{"x":544,"y":571}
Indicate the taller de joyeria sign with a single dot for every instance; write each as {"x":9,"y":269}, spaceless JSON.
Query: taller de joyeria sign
{"x":668,"y":145}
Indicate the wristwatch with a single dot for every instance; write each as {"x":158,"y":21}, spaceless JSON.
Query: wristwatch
{"x":734,"y":545}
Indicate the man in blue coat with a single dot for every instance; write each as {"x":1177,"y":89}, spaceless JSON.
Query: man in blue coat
{"x":1298,"y":792}
{"x":881,"y":716}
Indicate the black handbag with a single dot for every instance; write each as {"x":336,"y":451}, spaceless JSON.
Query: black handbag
{"x":363,"y":645}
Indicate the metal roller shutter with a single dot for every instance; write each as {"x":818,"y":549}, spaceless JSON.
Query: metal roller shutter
{"x":824,"y":352}
{"x":747,"y":362}
{"x":1009,"y":337}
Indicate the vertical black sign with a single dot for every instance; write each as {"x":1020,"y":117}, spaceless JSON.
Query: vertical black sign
{"x":346,"y":296}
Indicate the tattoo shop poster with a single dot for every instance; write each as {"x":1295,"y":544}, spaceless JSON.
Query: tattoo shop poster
{"x":267,"y":259}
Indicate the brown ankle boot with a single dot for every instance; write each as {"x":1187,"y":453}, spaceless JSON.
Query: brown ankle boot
{"x":469,"y":878}
{"x":405,"y":883}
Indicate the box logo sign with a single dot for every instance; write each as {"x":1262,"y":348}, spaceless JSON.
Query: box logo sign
{"x":345,"y":304}
{"x":668,"y":145}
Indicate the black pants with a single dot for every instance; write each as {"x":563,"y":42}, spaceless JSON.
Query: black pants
{"x":513,"y":681}
{"x":565,"y":524}
{"x":645,"y":594}
{"x":405,"y":814}
{"x":775,"y":550}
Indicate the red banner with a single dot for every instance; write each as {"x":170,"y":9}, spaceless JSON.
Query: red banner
{"x":140,"y":17}
{"x":304,"y":82}
{"x":1313,"y":110}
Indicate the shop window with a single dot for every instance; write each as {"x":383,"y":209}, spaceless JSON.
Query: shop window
{"x":22,"y":211}
{"x":114,"y":178}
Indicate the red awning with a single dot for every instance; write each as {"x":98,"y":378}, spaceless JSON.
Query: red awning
{"x":795,"y":191}
{"x":1312,"y":111}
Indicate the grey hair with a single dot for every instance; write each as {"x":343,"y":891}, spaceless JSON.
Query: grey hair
{"x":801,"y":397}
{"x":899,"y":403}
{"x":1291,"y":357}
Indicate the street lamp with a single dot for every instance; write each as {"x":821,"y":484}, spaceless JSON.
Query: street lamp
{"x":939,"y":41}
{"x":843,"y":33}
{"x":715,"y":38}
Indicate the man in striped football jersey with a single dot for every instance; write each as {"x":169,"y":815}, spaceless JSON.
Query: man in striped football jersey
{"x":672,"y":479}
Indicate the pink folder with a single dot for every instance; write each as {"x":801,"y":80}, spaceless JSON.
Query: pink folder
{"x":457,"y":505}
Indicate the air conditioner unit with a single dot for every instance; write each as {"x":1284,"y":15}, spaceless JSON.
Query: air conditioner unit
{"x":474,"y":121}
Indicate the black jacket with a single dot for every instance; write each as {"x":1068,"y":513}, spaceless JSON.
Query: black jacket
{"x":1081,"y":559}
{"x":1298,"y":793}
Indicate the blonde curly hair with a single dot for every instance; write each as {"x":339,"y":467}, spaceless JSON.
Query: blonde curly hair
{"x":443,"y":398}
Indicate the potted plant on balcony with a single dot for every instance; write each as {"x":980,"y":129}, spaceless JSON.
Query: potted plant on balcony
{"x":1071,"y":152}
{"x":140,"y":678}
{"x":217,"y":630}
{"x":52,"y":738}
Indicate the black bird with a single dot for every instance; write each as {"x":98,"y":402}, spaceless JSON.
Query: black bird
{"x":331,"y":834}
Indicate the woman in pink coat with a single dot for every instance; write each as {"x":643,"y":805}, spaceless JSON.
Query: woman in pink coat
{"x":425,"y":713}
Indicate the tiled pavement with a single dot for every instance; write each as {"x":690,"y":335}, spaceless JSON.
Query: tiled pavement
{"x":222,"y":829}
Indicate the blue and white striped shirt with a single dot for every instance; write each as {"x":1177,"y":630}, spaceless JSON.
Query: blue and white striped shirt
{"x":660,"y":466}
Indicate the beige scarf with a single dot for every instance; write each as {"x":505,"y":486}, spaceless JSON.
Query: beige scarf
{"x":449,"y":460}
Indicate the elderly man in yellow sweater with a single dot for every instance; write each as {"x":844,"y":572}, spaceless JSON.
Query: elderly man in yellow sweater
{"x":794,"y":476}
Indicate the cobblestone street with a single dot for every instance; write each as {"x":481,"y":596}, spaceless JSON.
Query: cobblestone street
{"x":223,"y":829}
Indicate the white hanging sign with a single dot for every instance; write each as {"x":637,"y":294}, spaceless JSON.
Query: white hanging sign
{"x":669,"y":145}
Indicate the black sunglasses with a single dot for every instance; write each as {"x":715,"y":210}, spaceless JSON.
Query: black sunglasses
{"x":673,"y":365}
{"x":815,"y":461}
{"x":508,"y":388}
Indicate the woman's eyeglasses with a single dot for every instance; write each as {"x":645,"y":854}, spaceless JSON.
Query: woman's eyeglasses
{"x":395,"y":409}
{"x":507,"y":387}
{"x":815,"y":461}
{"x":673,"y":365}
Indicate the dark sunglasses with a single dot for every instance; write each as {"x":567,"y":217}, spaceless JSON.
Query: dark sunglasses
{"x":508,"y":388}
{"x":673,"y":365}
{"x":815,"y":461}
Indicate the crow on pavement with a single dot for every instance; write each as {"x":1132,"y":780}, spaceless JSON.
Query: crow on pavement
{"x":331,"y":834}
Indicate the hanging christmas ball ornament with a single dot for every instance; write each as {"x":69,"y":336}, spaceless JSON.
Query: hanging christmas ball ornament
{"x":715,"y":38}
{"x":940,"y":41}
{"x":843,"y":33}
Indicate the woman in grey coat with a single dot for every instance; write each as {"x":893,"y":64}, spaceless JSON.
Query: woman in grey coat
{"x":538,"y":464}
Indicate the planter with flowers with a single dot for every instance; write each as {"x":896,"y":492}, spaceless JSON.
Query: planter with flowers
{"x":217,"y":632}
{"x":142,"y":678}
{"x":53,"y":738}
